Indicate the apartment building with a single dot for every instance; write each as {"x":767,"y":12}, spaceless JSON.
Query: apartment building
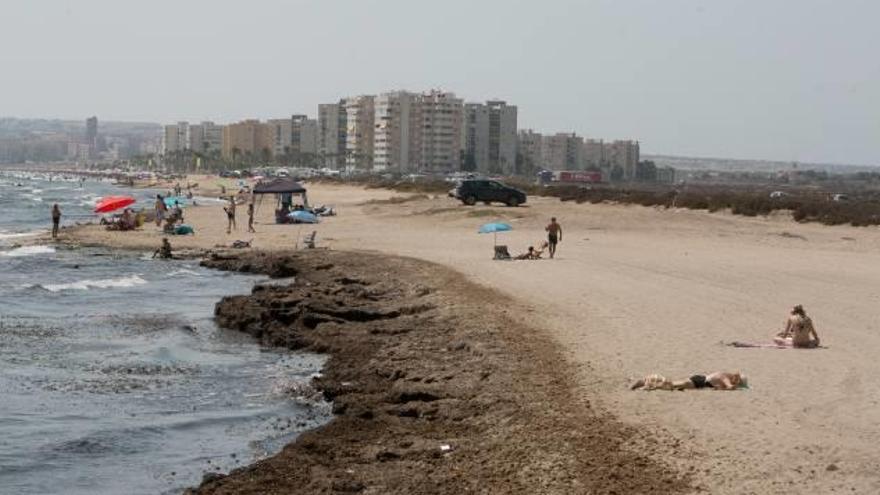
{"x":439,"y":124}
{"x":624,"y":154}
{"x":594,"y":154}
{"x":331,"y":134}
{"x":562,"y":151}
{"x":296,"y":135}
{"x":175,"y":137}
{"x":530,"y":147}
{"x":206,"y":137}
{"x":396,"y":132}
{"x":489,"y":137}
{"x":359,"y":132}
{"x":248,"y":137}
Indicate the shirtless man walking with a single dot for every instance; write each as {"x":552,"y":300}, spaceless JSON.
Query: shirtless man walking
{"x":554,"y":235}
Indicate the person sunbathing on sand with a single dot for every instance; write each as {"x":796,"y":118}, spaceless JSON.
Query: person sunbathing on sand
{"x":720,"y":380}
{"x":799,"y":330}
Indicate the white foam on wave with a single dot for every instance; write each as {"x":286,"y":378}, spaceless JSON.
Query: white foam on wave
{"x":16,"y":235}
{"x":87,"y":284}
{"x":28,"y":251}
{"x":183,"y":271}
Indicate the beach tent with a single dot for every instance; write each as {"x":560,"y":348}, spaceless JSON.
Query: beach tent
{"x":283,"y":187}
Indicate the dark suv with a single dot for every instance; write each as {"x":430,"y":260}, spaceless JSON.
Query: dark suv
{"x":471,"y":191}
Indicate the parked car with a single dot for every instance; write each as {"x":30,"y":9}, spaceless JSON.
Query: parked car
{"x":488,"y":191}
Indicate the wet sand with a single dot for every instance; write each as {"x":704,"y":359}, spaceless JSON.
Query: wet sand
{"x":638,"y":290}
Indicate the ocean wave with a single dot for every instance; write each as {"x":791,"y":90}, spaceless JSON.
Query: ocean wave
{"x":17,"y":235}
{"x":87,"y":284}
{"x":27,"y":251}
{"x":183,"y":271}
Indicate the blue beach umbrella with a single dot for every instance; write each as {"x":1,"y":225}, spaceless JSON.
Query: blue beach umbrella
{"x":493,"y":228}
{"x":303,"y":216}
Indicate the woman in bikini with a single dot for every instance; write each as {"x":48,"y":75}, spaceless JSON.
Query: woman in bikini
{"x":799,"y":330}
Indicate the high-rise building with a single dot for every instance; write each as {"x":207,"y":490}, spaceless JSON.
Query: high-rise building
{"x":359,"y":132}
{"x":530,"y":149}
{"x":176,"y":137}
{"x":594,"y":154}
{"x":331,"y":134}
{"x":562,"y":151}
{"x":206,"y":137}
{"x":248,"y":138}
{"x":439,"y":126}
{"x":91,"y":137}
{"x":295,"y":136}
{"x":489,"y":137}
{"x":396,"y":131}
{"x":624,"y":154}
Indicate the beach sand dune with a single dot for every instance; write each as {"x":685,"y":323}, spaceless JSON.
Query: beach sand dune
{"x":637,"y":290}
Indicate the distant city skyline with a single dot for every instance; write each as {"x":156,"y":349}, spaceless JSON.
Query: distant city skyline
{"x":771,"y":80}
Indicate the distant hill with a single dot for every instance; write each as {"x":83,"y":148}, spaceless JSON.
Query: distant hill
{"x":11,"y":127}
{"x":738,"y":165}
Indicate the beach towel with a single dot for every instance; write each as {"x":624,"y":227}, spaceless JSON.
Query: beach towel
{"x":183,"y":230}
{"x":765,"y":345}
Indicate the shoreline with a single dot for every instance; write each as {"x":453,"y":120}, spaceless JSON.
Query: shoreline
{"x":427,"y":398}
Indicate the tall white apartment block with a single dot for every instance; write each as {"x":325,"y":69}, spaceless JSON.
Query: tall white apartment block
{"x":530,"y":148}
{"x":296,"y":135}
{"x":175,"y":138}
{"x":331,"y":134}
{"x":395,"y":136}
{"x":562,"y":151}
{"x":490,"y":138}
{"x":212,"y":137}
{"x":440,"y":116}
{"x":359,"y":127}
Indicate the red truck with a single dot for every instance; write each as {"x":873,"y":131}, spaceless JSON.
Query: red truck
{"x":590,"y":176}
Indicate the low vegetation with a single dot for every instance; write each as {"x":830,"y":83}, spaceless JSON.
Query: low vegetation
{"x":862,"y":208}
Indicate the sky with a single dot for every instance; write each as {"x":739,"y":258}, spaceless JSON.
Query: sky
{"x":795,"y":80}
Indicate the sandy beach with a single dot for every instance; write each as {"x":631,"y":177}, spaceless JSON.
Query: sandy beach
{"x":638,"y":290}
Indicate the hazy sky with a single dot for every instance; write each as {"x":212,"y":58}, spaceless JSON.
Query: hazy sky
{"x":787,"y":80}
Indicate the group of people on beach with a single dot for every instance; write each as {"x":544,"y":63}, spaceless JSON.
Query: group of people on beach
{"x":799,"y":333}
{"x":230,"y":214}
{"x":554,"y":237}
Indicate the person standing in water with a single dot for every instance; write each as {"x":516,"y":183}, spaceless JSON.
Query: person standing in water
{"x":250,"y":213}
{"x":554,"y":236}
{"x":56,"y":220}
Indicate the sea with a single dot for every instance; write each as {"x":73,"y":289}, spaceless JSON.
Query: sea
{"x":113,"y":377}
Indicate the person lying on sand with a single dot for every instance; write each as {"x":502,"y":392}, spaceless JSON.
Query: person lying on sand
{"x":720,"y":380}
{"x":528,"y":255}
{"x":799,"y":330}
{"x":532,"y":253}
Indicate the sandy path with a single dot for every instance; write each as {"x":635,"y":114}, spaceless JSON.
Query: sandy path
{"x":638,"y":290}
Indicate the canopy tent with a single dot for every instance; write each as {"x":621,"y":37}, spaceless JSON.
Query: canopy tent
{"x":285,"y":189}
{"x":279,"y":186}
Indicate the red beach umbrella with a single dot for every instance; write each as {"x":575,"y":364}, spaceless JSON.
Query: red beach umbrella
{"x":113,"y":203}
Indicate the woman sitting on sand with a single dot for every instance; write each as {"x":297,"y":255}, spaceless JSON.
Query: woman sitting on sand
{"x":799,"y":330}
{"x":720,"y":380}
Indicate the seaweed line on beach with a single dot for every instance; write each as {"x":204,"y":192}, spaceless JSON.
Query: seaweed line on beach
{"x":436,"y":388}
